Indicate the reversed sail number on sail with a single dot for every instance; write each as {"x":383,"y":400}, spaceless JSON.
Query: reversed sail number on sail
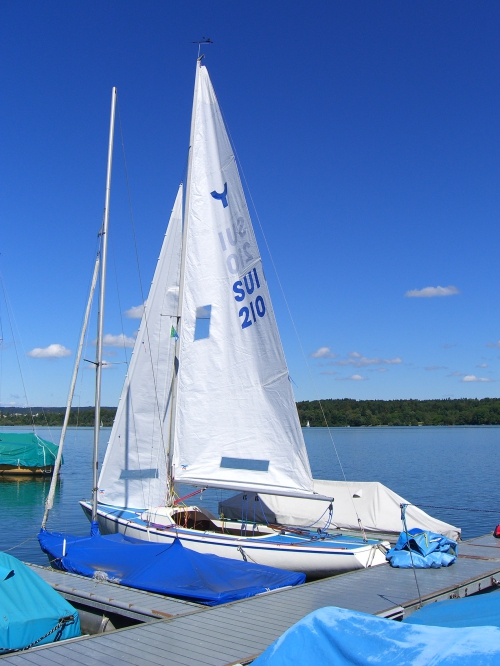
{"x":247,"y":286}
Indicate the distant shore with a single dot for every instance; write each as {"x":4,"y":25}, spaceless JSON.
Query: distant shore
{"x":357,"y":413}
{"x":334,"y":413}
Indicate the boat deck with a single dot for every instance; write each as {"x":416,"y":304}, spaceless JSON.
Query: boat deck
{"x":237,"y":632}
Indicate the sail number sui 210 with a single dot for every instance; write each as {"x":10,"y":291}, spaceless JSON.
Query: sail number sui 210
{"x":256,"y":308}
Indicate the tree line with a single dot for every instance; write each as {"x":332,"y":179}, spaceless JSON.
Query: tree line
{"x":343,"y":412}
{"x":347,"y":412}
{"x":54,"y":416}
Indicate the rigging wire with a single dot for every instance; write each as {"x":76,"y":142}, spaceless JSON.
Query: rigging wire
{"x":1,"y":355}
{"x":119,"y":306}
{"x":10,"y":316}
{"x":293,"y":323}
{"x":145,"y":316}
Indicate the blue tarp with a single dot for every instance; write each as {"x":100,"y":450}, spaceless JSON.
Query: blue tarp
{"x":428,"y":550}
{"x":477,"y":611}
{"x":342,"y":638}
{"x":30,"y":608}
{"x":166,"y":569}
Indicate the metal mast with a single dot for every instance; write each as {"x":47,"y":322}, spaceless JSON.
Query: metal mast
{"x":49,"y":503}
{"x":170,"y":470}
{"x":100,"y":324}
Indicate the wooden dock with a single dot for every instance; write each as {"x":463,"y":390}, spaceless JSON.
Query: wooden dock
{"x":237,"y":632}
{"x":112,"y":598}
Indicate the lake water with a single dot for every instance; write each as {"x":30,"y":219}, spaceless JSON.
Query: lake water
{"x":440,"y":466}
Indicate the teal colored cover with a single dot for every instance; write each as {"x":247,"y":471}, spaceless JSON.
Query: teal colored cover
{"x":30,"y":608}
{"x":26,"y":449}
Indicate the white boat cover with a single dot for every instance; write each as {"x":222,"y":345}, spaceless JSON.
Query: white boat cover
{"x":134,"y":472}
{"x":236,"y":423}
{"x":377,"y":506}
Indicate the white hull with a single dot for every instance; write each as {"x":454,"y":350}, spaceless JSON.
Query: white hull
{"x":314,"y":556}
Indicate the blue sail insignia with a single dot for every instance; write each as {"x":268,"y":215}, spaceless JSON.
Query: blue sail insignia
{"x":222,"y":196}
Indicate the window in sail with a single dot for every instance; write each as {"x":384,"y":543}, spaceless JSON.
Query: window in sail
{"x":202,"y":327}
{"x":139,"y":474}
{"x":245,"y":463}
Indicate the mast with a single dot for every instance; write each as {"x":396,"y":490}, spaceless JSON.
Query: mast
{"x":170,"y":471}
{"x":49,"y":503}
{"x":100,"y":325}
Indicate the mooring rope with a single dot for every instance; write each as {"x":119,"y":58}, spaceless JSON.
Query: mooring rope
{"x":403,"y":518}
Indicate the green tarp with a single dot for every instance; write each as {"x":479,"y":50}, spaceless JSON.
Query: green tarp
{"x":26,"y":450}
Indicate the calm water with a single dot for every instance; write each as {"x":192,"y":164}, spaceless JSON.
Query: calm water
{"x":443,"y":466}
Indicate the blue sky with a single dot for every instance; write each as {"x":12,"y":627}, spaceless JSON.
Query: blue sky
{"x":369,"y":136}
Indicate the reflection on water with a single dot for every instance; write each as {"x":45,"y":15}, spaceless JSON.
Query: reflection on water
{"x":439,"y":466}
{"x":26,"y":491}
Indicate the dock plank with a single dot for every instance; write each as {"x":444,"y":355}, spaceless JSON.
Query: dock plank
{"x":29,"y":658}
{"x":84,"y":652}
{"x":201,"y":643}
{"x":56,"y":657}
{"x":204,"y":635}
{"x":19,"y":660}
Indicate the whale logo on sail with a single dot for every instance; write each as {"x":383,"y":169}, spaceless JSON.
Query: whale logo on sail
{"x":221,"y":196}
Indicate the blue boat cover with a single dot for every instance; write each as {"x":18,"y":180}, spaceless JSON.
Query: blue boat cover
{"x":477,"y":611}
{"x":342,"y":637}
{"x":164,"y":568}
{"x":428,"y":550}
{"x":30,"y":608}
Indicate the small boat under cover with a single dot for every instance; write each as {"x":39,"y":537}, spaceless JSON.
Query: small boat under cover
{"x":167,"y":568}
{"x":479,"y":610}
{"x":25,"y":453}
{"x":342,"y":637}
{"x":31,"y":612}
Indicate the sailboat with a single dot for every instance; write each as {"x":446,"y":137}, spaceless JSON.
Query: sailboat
{"x":207,"y":400}
{"x":167,"y":569}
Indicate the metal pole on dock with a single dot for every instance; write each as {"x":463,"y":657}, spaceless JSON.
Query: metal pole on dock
{"x":100,"y":326}
{"x":49,"y":503}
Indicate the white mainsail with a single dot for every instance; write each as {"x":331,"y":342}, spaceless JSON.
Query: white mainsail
{"x":236,"y":423}
{"x":134,"y":472}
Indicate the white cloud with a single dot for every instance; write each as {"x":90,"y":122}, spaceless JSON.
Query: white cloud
{"x":493,"y":344}
{"x":135,"y":312}
{"x":329,"y":372}
{"x":120,"y":340}
{"x":356,"y":378}
{"x":52,"y":351}
{"x":323,"y":352}
{"x":436,"y":367}
{"x":359,"y":361}
{"x":377,"y":369}
{"x":482,"y":365}
{"x":455,"y":374}
{"x":473,"y":378}
{"x":430,"y":292}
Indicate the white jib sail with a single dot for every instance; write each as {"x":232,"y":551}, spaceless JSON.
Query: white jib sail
{"x":236,"y":423}
{"x":134,"y":472}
